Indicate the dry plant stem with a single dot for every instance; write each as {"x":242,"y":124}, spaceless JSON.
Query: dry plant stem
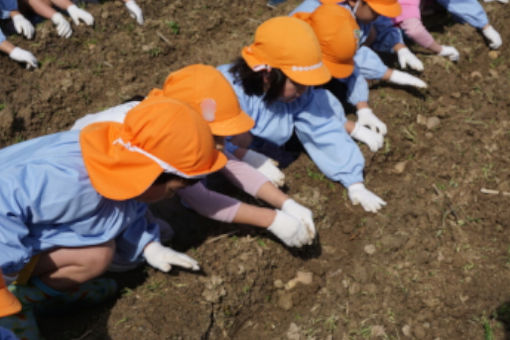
{"x":165,"y":39}
{"x":494,"y":192}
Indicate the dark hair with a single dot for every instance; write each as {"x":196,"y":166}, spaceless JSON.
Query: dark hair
{"x":166,"y":177}
{"x":253,"y":82}
{"x":135,"y":98}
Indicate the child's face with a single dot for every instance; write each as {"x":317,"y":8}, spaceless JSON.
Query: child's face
{"x":364,"y":13}
{"x":161,"y":191}
{"x":292,"y":91}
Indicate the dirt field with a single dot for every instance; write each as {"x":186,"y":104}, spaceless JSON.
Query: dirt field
{"x":433,"y":264}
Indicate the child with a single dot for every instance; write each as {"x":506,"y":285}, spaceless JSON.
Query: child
{"x":378,"y":32}
{"x":205,"y":89}
{"x":44,"y":8}
{"x":273,"y":82}
{"x":336,"y":31}
{"x":9,"y":9}
{"x":75,"y":200}
{"x":469,"y":11}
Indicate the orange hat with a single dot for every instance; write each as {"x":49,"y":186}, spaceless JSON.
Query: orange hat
{"x":290,"y":45}
{"x":387,"y":8}
{"x":8,"y":303}
{"x":337,"y":31}
{"x":158,"y":135}
{"x":206,"y":90}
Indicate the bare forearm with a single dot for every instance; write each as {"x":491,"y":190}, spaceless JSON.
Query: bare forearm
{"x":42,"y":8}
{"x":6,"y":47}
{"x":63,"y":4}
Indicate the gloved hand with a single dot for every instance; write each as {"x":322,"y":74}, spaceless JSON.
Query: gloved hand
{"x":368,"y":200}
{"x":450,"y":52}
{"x":135,"y":11}
{"x":403,"y":78}
{"x":290,"y":230}
{"x":63,"y":26}
{"x":407,"y":58}
{"x":267,"y":166}
{"x":163,"y":258}
{"x":78,"y":14}
{"x":493,"y":36}
{"x":373,"y":139}
{"x":23,"y":26}
{"x":23,"y":56}
{"x":302,"y":213}
{"x":367,"y":118}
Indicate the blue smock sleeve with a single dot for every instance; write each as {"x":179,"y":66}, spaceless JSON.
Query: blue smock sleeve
{"x":133,"y":239}
{"x":6,"y":6}
{"x":469,"y":11}
{"x":357,"y":87}
{"x":370,"y":64}
{"x":2,"y":36}
{"x":388,"y":35}
{"x":306,"y":6}
{"x":320,"y":128}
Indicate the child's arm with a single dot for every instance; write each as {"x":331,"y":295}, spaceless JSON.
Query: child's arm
{"x":75,"y":12}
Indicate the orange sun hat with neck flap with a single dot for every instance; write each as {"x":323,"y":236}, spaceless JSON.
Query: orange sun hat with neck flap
{"x":290,"y":45}
{"x":8,"y":303}
{"x":158,"y":135}
{"x":207,"y":91}
{"x":337,"y":32}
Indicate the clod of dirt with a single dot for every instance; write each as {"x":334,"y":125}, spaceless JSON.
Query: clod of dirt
{"x":476,"y":75}
{"x":378,"y":331}
{"x":420,"y":119}
{"x":494,"y":54}
{"x":301,"y":277}
{"x":433,"y":122}
{"x":278,"y":284}
{"x":369,"y":249}
{"x":406,"y":330}
{"x":214,"y":289}
{"x":400,"y":167}
{"x":285,"y":300}
{"x":494,"y":73}
{"x":391,"y":242}
{"x":294,"y":332}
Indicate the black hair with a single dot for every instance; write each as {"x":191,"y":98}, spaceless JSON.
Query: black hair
{"x":135,"y":98}
{"x":166,"y":177}
{"x":253,"y":82}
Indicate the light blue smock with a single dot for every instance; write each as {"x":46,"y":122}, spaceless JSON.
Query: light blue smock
{"x":6,"y":6}
{"x":469,"y":11}
{"x":318,"y":119}
{"x":47,"y":201}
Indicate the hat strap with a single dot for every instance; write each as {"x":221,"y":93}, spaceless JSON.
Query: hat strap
{"x":261,"y":67}
{"x":164,"y":165}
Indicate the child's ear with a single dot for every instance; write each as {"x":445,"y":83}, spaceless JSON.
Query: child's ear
{"x":208,"y":107}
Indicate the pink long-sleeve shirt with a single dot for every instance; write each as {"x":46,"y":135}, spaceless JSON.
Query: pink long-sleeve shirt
{"x":410,"y":22}
{"x":218,"y":206}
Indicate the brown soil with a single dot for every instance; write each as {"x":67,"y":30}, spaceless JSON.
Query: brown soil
{"x":434,"y":264}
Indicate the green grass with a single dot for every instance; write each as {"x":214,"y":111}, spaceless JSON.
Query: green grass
{"x":174,"y":27}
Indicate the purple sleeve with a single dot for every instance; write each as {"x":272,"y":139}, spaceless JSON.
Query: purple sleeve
{"x":243,"y":175}
{"x":210,"y":203}
{"x":415,"y":30}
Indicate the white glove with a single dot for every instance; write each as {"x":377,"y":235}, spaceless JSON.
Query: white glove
{"x":267,"y":166}
{"x":135,"y":11}
{"x":404,"y":78}
{"x":373,"y":139}
{"x":23,"y":26}
{"x":78,"y":14}
{"x":493,"y":36}
{"x":23,"y":56}
{"x":407,"y":58}
{"x":450,"y":52}
{"x":163,"y":258}
{"x":290,"y":230}
{"x":302,"y":213}
{"x":367,"y":118}
{"x":63,"y":26}
{"x":368,"y":200}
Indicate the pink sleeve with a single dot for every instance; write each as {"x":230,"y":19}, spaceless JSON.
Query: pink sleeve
{"x":243,"y":175}
{"x":410,"y":9}
{"x":415,"y":30}
{"x":210,"y":203}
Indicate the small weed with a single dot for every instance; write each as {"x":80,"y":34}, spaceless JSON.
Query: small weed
{"x":330,"y":323}
{"x":2,"y":106}
{"x":154,"y":52}
{"x":468,"y":267}
{"x":127,"y":291}
{"x":246,"y":289}
{"x":261,"y":243}
{"x":174,"y":26}
{"x":124,"y":319}
{"x":365,"y":332}
{"x":315,"y":175}
{"x":441,"y":186}
{"x":387,"y":146}
{"x":234,"y":238}
{"x":453,"y":184}
{"x":153,"y":286}
{"x":409,"y":133}
{"x":487,"y":329}
{"x":496,"y":62}
{"x":486,"y":170}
